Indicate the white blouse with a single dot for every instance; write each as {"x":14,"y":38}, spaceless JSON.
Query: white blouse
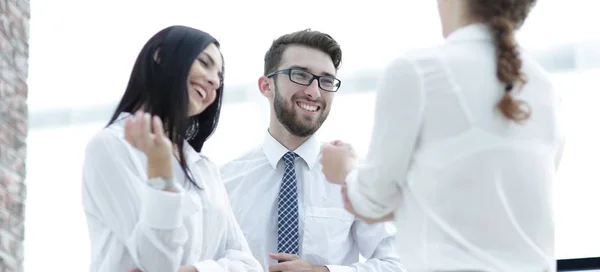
{"x":132,"y":225}
{"x":470,"y":190}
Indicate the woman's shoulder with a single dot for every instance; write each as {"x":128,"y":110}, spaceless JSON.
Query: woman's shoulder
{"x":107,"y":138}
{"x":412,"y":59}
{"x":206,"y":159}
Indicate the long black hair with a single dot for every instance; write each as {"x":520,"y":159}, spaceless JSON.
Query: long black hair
{"x":158,"y":83}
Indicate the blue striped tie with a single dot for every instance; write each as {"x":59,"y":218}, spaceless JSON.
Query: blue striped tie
{"x":287,"y":212}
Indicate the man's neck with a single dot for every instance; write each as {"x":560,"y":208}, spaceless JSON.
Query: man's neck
{"x":284,"y":137}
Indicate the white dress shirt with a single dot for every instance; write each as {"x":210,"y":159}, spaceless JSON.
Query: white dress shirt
{"x":470,"y":190}
{"x":132,"y":225}
{"x":328,"y":234}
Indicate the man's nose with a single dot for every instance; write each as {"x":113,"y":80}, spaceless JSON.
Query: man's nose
{"x":313,"y":90}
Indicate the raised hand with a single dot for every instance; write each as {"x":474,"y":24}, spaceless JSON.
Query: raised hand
{"x":157,"y":147}
{"x":153,"y":142}
{"x":338,"y":159}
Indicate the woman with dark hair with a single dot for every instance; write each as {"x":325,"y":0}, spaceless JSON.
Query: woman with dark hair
{"x":464,"y":149}
{"x":152,"y":201}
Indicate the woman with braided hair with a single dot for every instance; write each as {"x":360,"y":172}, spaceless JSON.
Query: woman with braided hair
{"x":464,"y":148}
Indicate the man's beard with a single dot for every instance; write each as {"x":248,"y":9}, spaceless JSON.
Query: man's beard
{"x":287,"y":116}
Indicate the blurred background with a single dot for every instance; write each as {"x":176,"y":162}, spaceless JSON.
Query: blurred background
{"x":81,"y":53}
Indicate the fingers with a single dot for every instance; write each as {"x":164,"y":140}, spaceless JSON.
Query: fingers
{"x":337,"y":142}
{"x":278,"y":267}
{"x":157,"y":127}
{"x":284,"y":257}
{"x":341,"y":144}
{"x":187,"y":268}
{"x":132,"y":129}
{"x":128,"y":130}
{"x":137,"y":126}
{"x":137,"y":129}
{"x":286,"y":261}
{"x":144,"y":133}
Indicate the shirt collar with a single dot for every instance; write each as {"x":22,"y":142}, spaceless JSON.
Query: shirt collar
{"x":472,"y":32}
{"x":309,"y":150}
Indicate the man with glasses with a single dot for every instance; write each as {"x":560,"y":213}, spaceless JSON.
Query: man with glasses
{"x":293,"y":219}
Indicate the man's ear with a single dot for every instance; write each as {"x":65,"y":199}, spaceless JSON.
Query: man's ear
{"x":265,"y":86}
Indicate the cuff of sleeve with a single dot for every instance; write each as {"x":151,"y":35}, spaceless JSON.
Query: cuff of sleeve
{"x":208,"y":265}
{"x":339,"y":268}
{"x":361,"y":204}
{"x":161,"y":209}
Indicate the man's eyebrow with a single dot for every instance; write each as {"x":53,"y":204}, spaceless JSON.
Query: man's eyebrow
{"x":307,"y":70}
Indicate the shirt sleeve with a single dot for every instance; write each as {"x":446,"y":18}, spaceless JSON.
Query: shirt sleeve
{"x":560,"y":132}
{"x":125,"y":216}
{"x":374,"y":187}
{"x":376,"y":244}
{"x":236,"y":256}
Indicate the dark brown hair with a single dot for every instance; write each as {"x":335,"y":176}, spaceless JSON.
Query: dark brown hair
{"x":310,"y":38}
{"x":505,"y":16}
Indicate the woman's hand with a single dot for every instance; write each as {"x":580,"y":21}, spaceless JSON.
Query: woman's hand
{"x":338,"y":159}
{"x":155,"y":144}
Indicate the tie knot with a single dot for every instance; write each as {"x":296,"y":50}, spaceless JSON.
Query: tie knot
{"x":289,"y":157}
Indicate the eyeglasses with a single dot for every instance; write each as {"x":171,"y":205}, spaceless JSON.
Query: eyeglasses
{"x":304,"y":78}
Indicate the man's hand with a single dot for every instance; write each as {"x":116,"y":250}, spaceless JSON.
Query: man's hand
{"x":291,"y":262}
{"x":187,"y":268}
{"x":348,"y":206}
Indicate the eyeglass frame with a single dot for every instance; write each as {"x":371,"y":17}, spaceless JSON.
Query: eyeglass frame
{"x":288,"y":72}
